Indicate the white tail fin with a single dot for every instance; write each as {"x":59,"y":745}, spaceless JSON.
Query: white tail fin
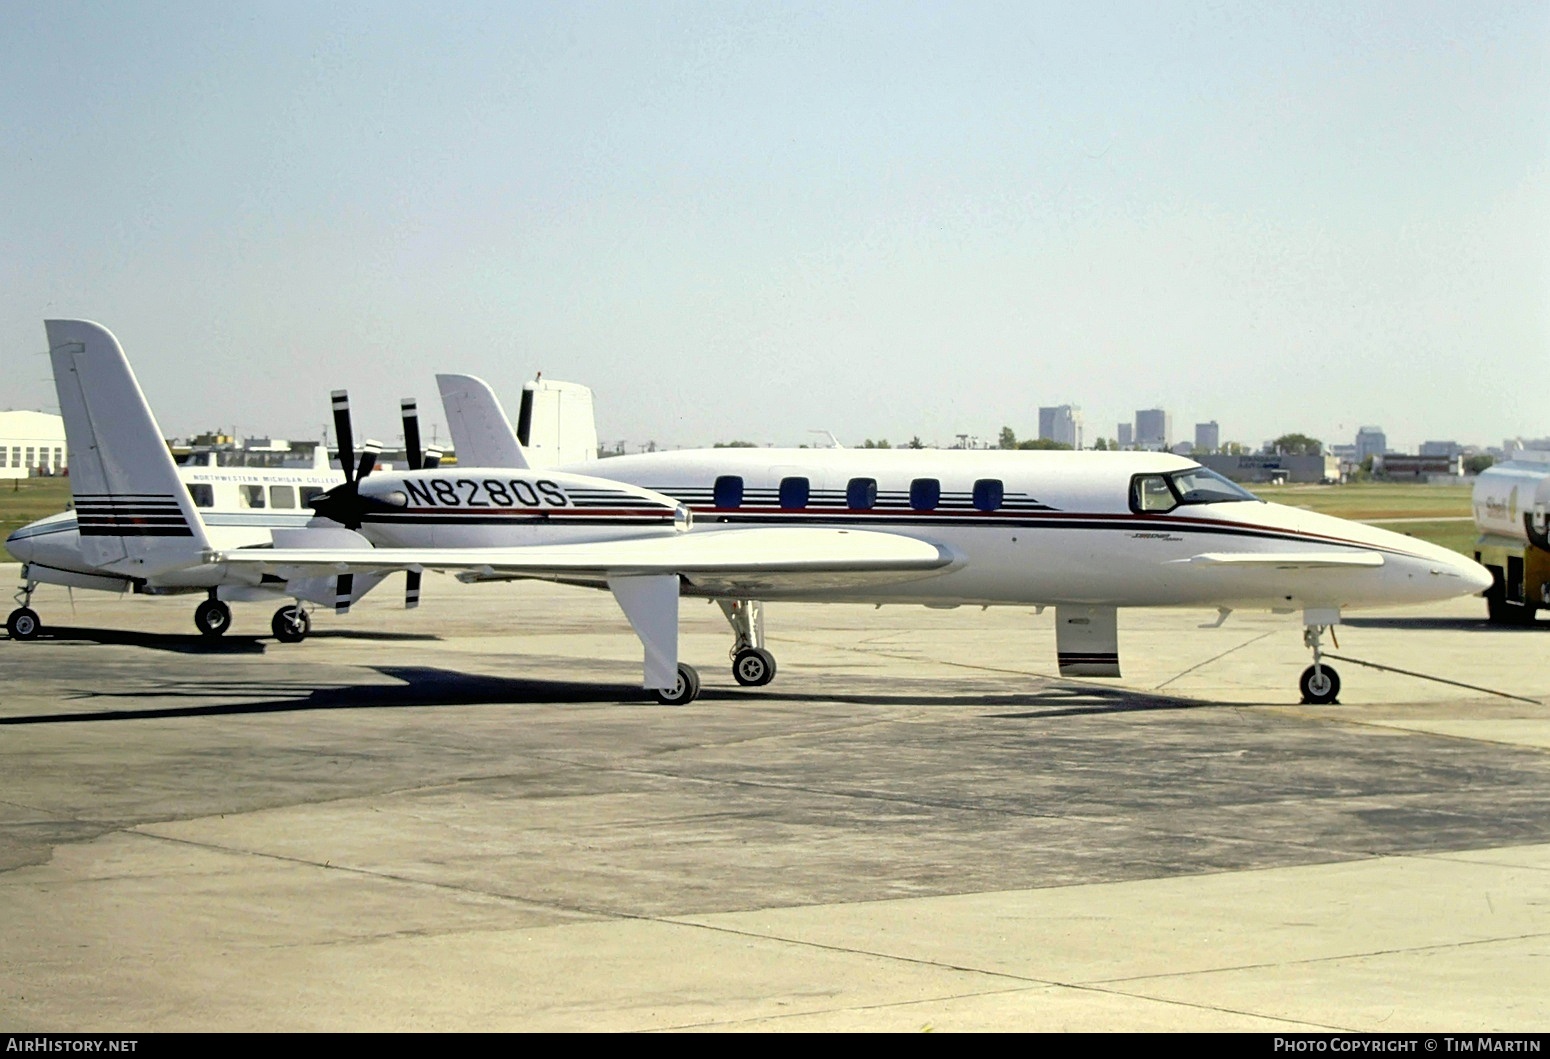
{"x":134,"y":514}
{"x":481,"y":433}
{"x":556,"y":423}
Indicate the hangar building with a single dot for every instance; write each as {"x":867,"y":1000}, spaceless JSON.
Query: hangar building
{"x":31,"y":443}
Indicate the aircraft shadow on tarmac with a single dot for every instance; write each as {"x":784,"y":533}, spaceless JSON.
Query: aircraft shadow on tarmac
{"x":1437,"y":624}
{"x":425,"y":686}
{"x":422,"y":686}
{"x":1050,"y":700}
{"x":195,"y":644}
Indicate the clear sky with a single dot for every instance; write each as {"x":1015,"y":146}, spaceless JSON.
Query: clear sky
{"x":746,"y":220}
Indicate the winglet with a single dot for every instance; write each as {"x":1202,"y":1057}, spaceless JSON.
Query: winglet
{"x":134,"y":513}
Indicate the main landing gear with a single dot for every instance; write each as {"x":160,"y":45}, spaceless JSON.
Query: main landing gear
{"x":1320,"y":684}
{"x":291,"y":624}
{"x":752,"y":665}
{"x":212,"y":617}
{"x":23,"y":623}
{"x":684,"y":690}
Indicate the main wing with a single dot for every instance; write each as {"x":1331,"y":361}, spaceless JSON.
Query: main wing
{"x":741,"y":562}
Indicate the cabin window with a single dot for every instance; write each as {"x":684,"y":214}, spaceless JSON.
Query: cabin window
{"x":251,"y":495}
{"x":729,"y":491}
{"x":793,"y":493}
{"x":282,"y":496}
{"x":1150,"y":493}
{"x":925,"y":494}
{"x":202,"y":495}
{"x":861,"y":494}
{"x":987,"y":494}
{"x":309,"y":493}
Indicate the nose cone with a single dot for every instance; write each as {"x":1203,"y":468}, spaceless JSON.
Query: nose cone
{"x":1451,"y":573}
{"x":19,"y":544}
{"x":1473,"y":574}
{"x":1412,"y":571}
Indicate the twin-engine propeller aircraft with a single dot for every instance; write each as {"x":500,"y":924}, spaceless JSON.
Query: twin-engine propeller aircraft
{"x":1085,"y":532}
{"x":135,"y":511}
{"x":144,"y":527}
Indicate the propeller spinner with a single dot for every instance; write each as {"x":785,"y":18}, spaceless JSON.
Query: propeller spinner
{"x":343,"y":503}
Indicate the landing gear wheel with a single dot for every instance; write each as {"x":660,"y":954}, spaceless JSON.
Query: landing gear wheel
{"x":684,"y":690}
{"x":753,"y":667}
{"x":1320,"y":684}
{"x":290,"y":624}
{"x":23,"y":624}
{"x":213,"y":618}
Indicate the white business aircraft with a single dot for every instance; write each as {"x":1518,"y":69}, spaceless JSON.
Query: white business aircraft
{"x":1085,"y":532}
{"x":107,"y":429}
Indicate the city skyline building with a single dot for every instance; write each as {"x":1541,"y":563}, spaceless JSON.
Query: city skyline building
{"x":1154,"y":429}
{"x":1061,"y":424}
{"x":1370,"y":441}
{"x":1208,"y":436}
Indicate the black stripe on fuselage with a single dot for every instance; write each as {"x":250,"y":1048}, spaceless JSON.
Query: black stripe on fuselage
{"x":559,"y":517}
{"x":130,"y":515}
{"x":136,"y":531}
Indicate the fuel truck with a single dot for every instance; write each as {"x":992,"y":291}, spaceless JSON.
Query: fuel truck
{"x":1512,"y":512}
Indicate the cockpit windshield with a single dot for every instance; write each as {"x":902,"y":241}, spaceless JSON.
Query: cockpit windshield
{"x":1201,"y":486}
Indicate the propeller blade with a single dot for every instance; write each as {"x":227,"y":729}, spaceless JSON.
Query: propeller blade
{"x":369,"y":453}
{"x":344,"y":588}
{"x":411,"y":414}
{"x":411,"y":589}
{"x":343,"y":434}
{"x":432,"y":459}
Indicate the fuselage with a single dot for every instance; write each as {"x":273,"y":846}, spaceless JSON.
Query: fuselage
{"x":1116,"y":529}
{"x":241,"y":507}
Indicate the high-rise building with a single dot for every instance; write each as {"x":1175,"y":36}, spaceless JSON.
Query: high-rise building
{"x":1208,"y":436}
{"x":1062,"y":423}
{"x":1370,"y":441}
{"x":1126,"y":435}
{"x":1154,"y":429}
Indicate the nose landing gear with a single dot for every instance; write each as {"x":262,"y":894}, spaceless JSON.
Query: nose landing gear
{"x":23,"y":622}
{"x":1320,"y":684}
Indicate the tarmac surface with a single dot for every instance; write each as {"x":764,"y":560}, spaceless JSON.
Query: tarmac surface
{"x":470,"y":817}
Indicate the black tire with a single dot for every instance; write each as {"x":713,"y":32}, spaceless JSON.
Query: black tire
{"x":1502,"y":612}
{"x":684,"y":691}
{"x":23,"y":624}
{"x":290,"y":624}
{"x":753,"y":667}
{"x":212,"y":618}
{"x":1320,"y":685}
